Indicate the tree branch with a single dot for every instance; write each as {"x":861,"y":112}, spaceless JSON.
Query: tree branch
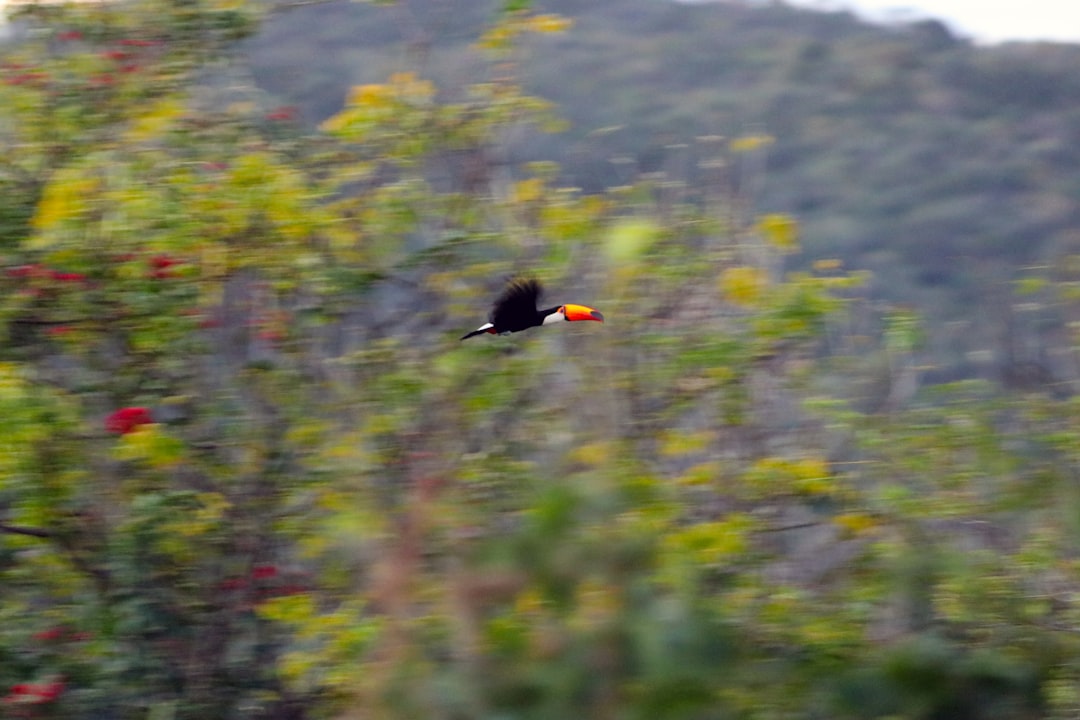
{"x":28,"y":531}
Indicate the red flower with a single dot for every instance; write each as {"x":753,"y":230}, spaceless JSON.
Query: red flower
{"x":26,"y":78}
{"x":67,"y":276}
{"x":286,"y":112}
{"x":57,"y":330}
{"x":51,"y":634}
{"x":115,"y":55}
{"x":264,"y":572}
{"x":161,"y":265}
{"x":35,"y":693}
{"x":163,"y":261}
{"x":70,"y":35}
{"x":127,"y":419}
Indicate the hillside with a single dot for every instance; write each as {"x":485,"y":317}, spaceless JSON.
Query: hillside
{"x":941,"y":166}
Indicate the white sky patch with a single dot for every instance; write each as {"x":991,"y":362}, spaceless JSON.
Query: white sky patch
{"x":981,"y":20}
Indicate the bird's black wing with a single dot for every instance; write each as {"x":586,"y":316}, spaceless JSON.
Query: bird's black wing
{"x":515,"y":308}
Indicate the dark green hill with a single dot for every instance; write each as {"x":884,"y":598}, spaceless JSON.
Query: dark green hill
{"x":940,"y":165}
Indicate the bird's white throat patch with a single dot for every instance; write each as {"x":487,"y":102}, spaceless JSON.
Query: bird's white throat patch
{"x":555,"y":317}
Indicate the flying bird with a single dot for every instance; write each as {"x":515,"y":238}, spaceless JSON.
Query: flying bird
{"x":515,"y":310}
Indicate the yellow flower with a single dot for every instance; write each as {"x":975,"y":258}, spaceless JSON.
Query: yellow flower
{"x":780,"y":230}
{"x":528,"y":602}
{"x":370,"y":95}
{"x":811,"y":468}
{"x":496,"y":38}
{"x":527,"y":191}
{"x":743,"y":284}
{"x":855,"y":523}
{"x":750,"y":143}
{"x":156,"y":121}
{"x":712,"y":543}
{"x":550,"y":23}
{"x":594,"y":454}
{"x":65,"y":198}
{"x":337,"y":123}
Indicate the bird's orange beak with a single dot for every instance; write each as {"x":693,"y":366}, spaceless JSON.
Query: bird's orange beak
{"x":581,"y":312}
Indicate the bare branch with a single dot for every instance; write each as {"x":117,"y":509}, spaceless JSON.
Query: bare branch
{"x":28,"y":531}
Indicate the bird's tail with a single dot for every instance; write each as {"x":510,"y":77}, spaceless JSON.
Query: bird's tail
{"x":474,"y":333}
{"x":486,"y":328}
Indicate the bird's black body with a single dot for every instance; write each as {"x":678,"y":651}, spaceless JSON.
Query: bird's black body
{"x":515,"y":310}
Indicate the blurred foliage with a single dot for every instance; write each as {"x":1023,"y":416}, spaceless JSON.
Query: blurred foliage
{"x":248,"y":471}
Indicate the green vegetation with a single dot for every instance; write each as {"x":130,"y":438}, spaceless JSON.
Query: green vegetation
{"x":248,"y":471}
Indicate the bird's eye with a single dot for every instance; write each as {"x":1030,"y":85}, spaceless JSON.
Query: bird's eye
{"x":563,"y":310}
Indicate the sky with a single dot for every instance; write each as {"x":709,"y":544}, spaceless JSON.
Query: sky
{"x":985,"y":21}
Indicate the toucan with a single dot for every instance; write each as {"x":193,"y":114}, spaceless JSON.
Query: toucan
{"x":515,"y":310}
